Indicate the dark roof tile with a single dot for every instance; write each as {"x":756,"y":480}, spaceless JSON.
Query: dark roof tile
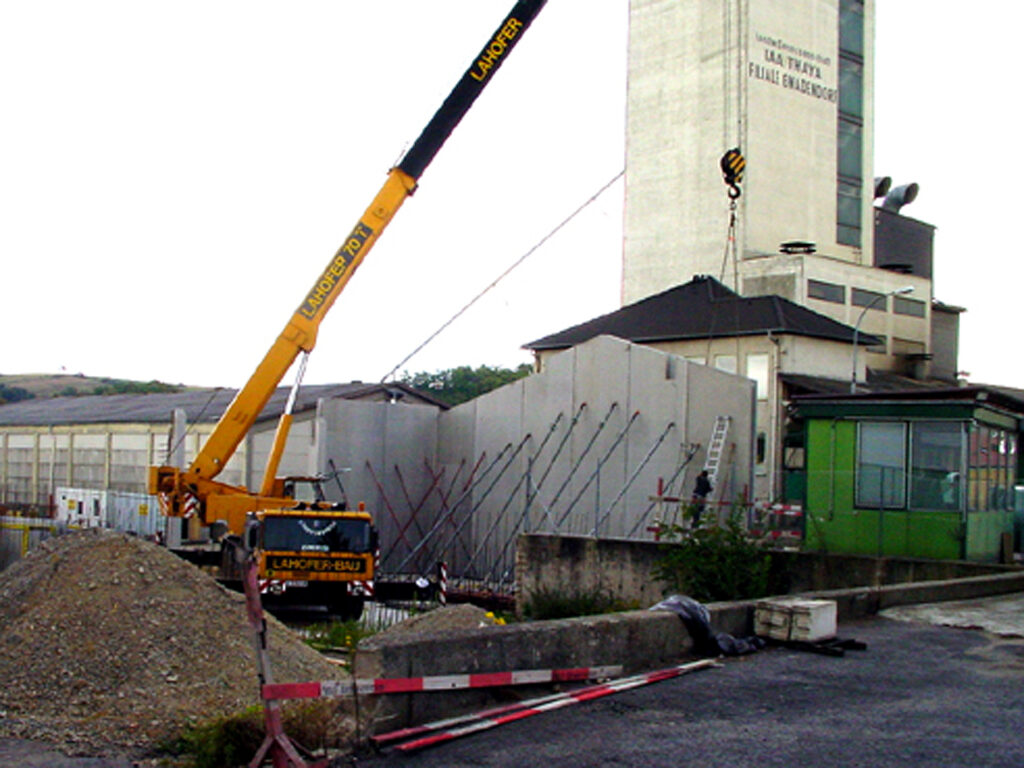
{"x":200,"y":405}
{"x":702,"y":308}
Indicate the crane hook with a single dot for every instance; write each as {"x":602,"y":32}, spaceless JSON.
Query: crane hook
{"x":732,"y":165}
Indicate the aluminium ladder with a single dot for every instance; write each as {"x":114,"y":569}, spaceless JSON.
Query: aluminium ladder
{"x":716,"y":449}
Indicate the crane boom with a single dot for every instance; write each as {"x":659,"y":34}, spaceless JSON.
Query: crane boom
{"x":184,"y":491}
{"x":301,"y":331}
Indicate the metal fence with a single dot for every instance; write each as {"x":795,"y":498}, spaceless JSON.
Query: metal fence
{"x":20,"y":534}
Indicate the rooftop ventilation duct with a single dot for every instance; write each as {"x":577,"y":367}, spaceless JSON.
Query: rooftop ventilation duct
{"x":797,"y":246}
{"x":899,"y":196}
{"x":882,"y":185}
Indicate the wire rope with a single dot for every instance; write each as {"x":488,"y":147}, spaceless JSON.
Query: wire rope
{"x":561,"y":225}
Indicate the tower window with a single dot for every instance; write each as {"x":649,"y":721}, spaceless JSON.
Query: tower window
{"x":818,"y":289}
{"x":850,"y":124}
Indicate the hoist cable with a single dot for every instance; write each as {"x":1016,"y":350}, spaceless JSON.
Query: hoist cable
{"x":505,"y":274}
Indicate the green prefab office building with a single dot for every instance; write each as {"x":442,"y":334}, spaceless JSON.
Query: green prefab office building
{"x":919,"y":474}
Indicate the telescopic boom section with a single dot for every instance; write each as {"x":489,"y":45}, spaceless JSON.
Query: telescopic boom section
{"x":300,"y":332}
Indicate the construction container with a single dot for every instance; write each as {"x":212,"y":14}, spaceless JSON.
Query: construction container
{"x":80,"y":507}
{"x":125,"y":511}
{"x":795,"y":619}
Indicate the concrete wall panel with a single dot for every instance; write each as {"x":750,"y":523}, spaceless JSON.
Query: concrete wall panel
{"x":653,"y":447}
{"x":355,"y":439}
{"x":589,"y":476}
{"x":410,"y":440}
{"x":549,"y":401}
{"x":499,"y":427}
{"x":367,"y":440}
{"x":602,"y":381}
{"x":715,"y":393}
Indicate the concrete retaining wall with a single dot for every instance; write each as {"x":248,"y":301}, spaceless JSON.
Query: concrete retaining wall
{"x":638,"y":640}
{"x":623,"y":569}
{"x":617,"y":568}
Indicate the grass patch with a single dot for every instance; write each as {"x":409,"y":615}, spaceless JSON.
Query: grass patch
{"x":337,"y":634}
{"x":233,"y":740}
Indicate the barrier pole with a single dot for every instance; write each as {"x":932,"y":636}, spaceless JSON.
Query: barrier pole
{"x":276,"y":744}
{"x":529,"y":709}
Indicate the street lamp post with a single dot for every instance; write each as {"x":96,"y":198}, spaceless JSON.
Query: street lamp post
{"x":856,"y":328}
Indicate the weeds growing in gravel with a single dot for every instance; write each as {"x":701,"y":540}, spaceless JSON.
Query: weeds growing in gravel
{"x":337,"y":635}
{"x":233,"y":740}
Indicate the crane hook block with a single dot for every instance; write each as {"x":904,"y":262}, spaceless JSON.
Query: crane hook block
{"x":732,"y":164}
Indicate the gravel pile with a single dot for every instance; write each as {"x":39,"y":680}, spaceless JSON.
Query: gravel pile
{"x":451,"y":617}
{"x":106,"y":639}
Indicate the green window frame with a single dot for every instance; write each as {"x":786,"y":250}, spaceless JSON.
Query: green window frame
{"x":881,"y":472}
{"x":935,"y":466}
{"x":937,"y":451}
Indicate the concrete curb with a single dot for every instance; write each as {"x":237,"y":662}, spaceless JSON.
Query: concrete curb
{"x":858,"y":602}
{"x":638,"y":640}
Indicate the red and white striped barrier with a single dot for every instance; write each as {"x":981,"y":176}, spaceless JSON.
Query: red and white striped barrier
{"x":493,"y":718}
{"x":365,"y":587}
{"x":271,"y":585}
{"x":778,"y":521}
{"x":336,"y":688}
{"x":442,"y":583}
{"x":786,"y":510}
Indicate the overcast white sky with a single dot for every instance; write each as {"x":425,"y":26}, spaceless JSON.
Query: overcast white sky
{"x":173,"y":177}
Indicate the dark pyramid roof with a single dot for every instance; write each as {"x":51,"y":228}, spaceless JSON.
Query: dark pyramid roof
{"x":700,"y":309}
{"x":200,"y":405}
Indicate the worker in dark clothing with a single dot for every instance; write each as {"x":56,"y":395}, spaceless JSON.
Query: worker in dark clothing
{"x":700,"y":495}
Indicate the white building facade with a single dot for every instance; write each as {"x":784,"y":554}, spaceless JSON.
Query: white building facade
{"x":789,"y":83}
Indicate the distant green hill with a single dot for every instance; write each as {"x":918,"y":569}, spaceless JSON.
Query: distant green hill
{"x":36,"y":385}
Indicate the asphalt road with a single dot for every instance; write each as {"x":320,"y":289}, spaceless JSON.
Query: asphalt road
{"x":920,"y":695}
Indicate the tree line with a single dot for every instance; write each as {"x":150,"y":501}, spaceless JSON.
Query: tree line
{"x":457,"y":385}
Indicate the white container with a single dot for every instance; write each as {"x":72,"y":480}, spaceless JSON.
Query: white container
{"x":136,"y":513}
{"x":81,"y":507}
{"x":795,"y":618}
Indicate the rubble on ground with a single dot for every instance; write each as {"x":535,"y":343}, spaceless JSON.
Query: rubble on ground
{"x":462,"y":616}
{"x":107,"y":639}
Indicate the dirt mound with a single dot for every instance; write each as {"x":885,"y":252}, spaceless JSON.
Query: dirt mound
{"x":109,"y":639}
{"x":464,"y":616}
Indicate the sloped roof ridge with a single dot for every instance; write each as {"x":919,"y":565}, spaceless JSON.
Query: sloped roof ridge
{"x":686,"y":311}
{"x":206,"y":404}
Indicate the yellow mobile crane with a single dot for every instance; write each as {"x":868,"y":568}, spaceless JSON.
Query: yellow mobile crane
{"x":324,"y":551}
